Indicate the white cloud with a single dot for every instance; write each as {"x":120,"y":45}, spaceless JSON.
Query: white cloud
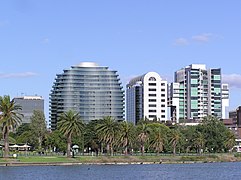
{"x":234,"y":80}
{"x":17,"y":75}
{"x":202,"y":38}
{"x":181,"y":41}
{"x":205,"y":37}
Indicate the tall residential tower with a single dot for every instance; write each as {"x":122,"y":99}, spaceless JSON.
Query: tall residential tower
{"x":146,"y":97}
{"x":201,"y":93}
{"x":91,"y":90}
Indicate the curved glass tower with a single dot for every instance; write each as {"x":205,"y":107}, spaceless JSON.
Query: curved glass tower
{"x":93,"y":91}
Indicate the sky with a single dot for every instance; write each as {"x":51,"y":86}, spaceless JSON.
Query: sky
{"x":38,"y":39}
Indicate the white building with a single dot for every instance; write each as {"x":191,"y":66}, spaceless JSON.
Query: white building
{"x":173,"y":101}
{"x":225,"y":100}
{"x":146,"y":97}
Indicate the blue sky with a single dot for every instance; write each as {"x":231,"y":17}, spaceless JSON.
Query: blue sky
{"x":38,"y":39}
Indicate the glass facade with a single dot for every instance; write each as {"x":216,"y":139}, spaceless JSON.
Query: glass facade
{"x":28,"y":105}
{"x":200,"y":92}
{"x":93,"y":91}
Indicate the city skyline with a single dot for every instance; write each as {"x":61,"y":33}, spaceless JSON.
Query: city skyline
{"x":40,"y":39}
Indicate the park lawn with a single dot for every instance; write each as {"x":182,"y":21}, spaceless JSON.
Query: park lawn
{"x":44,"y":159}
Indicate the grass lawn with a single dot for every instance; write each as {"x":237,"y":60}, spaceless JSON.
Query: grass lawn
{"x":125,"y":159}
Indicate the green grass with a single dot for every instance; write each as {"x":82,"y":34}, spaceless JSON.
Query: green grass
{"x":43,"y":159}
{"x":126,"y":159}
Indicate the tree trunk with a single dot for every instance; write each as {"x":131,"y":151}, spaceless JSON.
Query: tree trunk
{"x":40,"y":143}
{"x":108,"y":148}
{"x":68,"y":146}
{"x":6,"y":143}
{"x":142,"y":149}
{"x":126,"y":149}
{"x":174,"y":150}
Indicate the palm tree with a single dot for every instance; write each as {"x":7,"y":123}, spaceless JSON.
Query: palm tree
{"x":10,"y":118}
{"x":70,"y":124}
{"x":107,"y":131}
{"x":175,"y":138}
{"x":157,"y":141}
{"x":199,"y":141}
{"x":230,"y":140}
{"x":143,"y":135}
{"x":126,"y":136}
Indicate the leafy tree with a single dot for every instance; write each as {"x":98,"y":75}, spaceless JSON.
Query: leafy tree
{"x":10,"y":118}
{"x":70,"y":124}
{"x":127,"y":133}
{"x":56,"y":141}
{"x":199,"y":141}
{"x":107,"y":131}
{"x":91,"y":137}
{"x":215,"y":133}
{"x":38,"y":126}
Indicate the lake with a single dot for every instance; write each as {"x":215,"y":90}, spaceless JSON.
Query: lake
{"x":231,"y":170}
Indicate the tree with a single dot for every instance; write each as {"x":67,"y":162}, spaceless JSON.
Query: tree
{"x":199,"y":141}
{"x":38,"y":126}
{"x":215,"y":133}
{"x":10,"y":118}
{"x":107,"y":131}
{"x":126,"y":137}
{"x":175,"y":137}
{"x":157,"y":140}
{"x":229,"y":141}
{"x":143,"y":135}
{"x":70,"y":124}
{"x":56,"y":141}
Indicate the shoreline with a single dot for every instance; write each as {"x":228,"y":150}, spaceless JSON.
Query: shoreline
{"x":17,"y":164}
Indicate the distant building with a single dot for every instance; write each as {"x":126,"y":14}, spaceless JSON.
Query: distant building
{"x":146,"y":97}
{"x":29,"y":104}
{"x":91,"y":90}
{"x":200,"y":93}
{"x":174,"y":98}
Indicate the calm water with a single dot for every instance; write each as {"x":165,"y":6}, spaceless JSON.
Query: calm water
{"x":152,"y":171}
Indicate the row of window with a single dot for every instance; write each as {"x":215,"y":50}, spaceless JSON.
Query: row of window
{"x":153,"y":110}
{"x":154,"y":84}
{"x":154,"y":116}
{"x":154,"y":105}
{"x":154,"y":100}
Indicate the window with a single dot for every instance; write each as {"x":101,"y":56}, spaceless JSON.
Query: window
{"x":152,"y":100}
{"x":152,"y":105}
{"x":163,"y":105}
{"x":152,"y":110}
{"x":152,"y":84}
{"x":162,"y":111}
{"x":162,"y":95}
{"x":152,"y":95}
{"x":163,"y":100}
{"x":163,"y":90}
{"x":152,"y":89}
{"x":152,"y":79}
{"x":163,"y":84}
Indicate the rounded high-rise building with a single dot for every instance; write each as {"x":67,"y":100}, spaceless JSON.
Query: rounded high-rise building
{"x":91,"y":90}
